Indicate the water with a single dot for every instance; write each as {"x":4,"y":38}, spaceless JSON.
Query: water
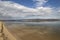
{"x":55,"y":23}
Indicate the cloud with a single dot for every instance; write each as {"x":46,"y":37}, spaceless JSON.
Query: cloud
{"x":14,"y":10}
{"x":11,"y":10}
{"x":45,"y":10}
{"x":40,"y":3}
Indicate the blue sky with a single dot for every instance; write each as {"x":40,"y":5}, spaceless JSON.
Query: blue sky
{"x":30,"y":3}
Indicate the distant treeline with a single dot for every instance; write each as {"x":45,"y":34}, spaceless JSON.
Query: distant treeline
{"x":33,"y":20}
{"x":39,"y":20}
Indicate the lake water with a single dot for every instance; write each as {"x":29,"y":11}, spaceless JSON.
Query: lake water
{"x":53,"y":23}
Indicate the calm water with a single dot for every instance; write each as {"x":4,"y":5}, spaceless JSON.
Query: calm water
{"x":55,"y":23}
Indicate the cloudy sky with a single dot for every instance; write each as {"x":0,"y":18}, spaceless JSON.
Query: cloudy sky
{"x":29,"y":9}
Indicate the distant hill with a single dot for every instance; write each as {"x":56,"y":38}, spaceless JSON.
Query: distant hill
{"x":33,"y":20}
{"x":39,"y":20}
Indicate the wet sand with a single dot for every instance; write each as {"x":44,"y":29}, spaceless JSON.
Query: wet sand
{"x":25,"y":32}
{"x":1,"y":38}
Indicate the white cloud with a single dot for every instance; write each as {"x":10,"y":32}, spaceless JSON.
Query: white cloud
{"x":40,"y":3}
{"x":45,"y":10}
{"x":17,"y":11}
{"x":59,"y":11}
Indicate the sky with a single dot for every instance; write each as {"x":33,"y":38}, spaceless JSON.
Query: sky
{"x":29,"y":9}
{"x":31,"y":3}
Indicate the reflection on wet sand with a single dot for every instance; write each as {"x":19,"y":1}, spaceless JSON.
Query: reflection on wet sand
{"x":31,"y":32}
